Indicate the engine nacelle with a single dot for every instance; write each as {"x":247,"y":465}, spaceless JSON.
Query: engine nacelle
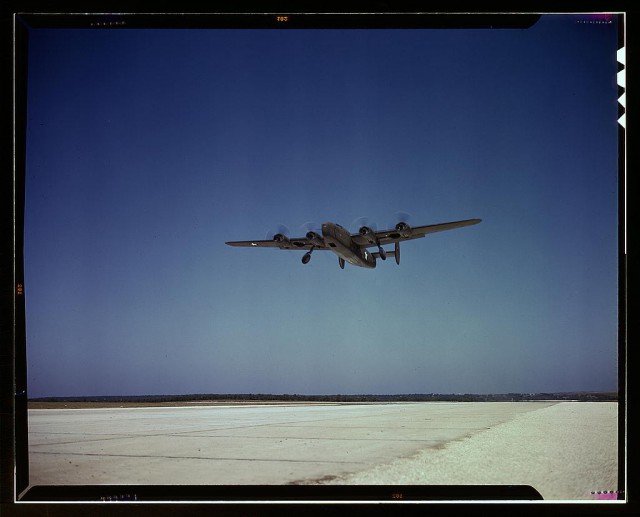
{"x":404,"y":229}
{"x":279,"y":237}
{"x":368,"y":233}
{"x":315,"y":238}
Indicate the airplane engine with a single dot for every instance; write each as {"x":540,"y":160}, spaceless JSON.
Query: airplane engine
{"x":279,"y":237}
{"x":368,"y":233}
{"x":315,"y":238}
{"x":404,"y":229}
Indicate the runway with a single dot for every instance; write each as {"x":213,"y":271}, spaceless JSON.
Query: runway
{"x":307,"y":444}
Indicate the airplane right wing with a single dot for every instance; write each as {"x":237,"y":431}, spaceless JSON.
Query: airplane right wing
{"x":253,"y":244}
{"x":301,"y":243}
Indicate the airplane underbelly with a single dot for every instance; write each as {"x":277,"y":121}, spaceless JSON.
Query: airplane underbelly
{"x":339,"y":241}
{"x":351,"y":256}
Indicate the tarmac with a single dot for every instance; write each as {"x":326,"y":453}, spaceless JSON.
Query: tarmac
{"x":407,"y":443}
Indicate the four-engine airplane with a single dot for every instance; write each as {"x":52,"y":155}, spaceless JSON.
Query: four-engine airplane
{"x":352,"y":248}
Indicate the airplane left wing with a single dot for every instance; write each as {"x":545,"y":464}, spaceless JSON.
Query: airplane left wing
{"x":404,"y":232}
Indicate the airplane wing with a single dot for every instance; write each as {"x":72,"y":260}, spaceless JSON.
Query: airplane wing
{"x":301,"y":243}
{"x":408,"y":233}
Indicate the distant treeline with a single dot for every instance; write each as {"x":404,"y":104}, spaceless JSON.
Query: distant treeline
{"x":414,"y":397}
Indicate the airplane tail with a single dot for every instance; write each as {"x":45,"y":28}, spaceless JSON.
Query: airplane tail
{"x":395,"y":253}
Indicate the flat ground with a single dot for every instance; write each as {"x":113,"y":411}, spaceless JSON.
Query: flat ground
{"x":565,"y":450}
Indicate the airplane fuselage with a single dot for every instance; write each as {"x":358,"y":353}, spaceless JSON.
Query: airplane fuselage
{"x":340,"y":242}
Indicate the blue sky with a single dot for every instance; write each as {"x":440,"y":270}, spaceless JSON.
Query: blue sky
{"x":148,"y":149}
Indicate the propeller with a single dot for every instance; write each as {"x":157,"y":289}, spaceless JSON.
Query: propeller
{"x":400,"y":217}
{"x":311,"y":226}
{"x":359,"y":222}
{"x":281,"y":229}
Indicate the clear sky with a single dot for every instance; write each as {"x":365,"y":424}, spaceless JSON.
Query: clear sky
{"x":148,"y":149}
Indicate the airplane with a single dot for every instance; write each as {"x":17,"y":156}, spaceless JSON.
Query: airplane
{"x":350,"y":247}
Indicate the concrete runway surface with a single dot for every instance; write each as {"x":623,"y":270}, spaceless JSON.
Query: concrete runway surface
{"x":564,"y":450}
